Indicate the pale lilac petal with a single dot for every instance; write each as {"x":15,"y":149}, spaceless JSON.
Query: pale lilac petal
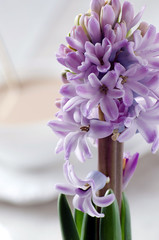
{"x":128,"y":97}
{"x":70,"y":143}
{"x":68,"y":90}
{"x":148,"y":132}
{"x":116,"y":7}
{"x":88,"y":206}
{"x":75,"y":180}
{"x":115,"y":93}
{"x":94,"y":81}
{"x":78,"y":203}
{"x":107,"y":15}
{"x":119,"y":69}
{"x":137,"y":18}
{"x":96,"y":5}
{"x":110,"y":79}
{"x":59,"y":146}
{"x":91,"y":104}
{"x":129,"y":169}
{"x":73,"y":102}
{"x":62,"y":126}
{"x":99,"y":180}
{"x":83,"y":151}
{"x":94,"y":30}
{"x":100,"y":129}
{"x":138,"y":88}
{"x":149,"y":37}
{"x":75,"y":44}
{"x":65,"y":189}
{"x":104,"y":68}
{"x":109,"y":108}
{"x":104,"y":201}
{"x":128,"y":133}
{"x":127,"y":13}
{"x":86,"y":91}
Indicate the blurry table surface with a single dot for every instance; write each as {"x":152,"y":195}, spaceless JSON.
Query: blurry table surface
{"x":40,"y":221}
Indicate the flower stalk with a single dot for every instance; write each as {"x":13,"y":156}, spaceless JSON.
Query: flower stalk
{"x":110,"y":163}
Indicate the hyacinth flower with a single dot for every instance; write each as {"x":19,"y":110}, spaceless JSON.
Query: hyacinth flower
{"x":144,"y":121}
{"x":129,"y":166}
{"x":110,"y":94}
{"x":74,"y":132}
{"x":84,"y":191}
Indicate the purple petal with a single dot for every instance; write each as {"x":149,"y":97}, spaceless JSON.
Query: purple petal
{"x":130,"y":169}
{"x":104,"y":68}
{"x":127,"y":14}
{"x":100,"y":129}
{"x":70,"y":143}
{"x":110,"y":79}
{"x":99,"y":180}
{"x":62,"y":126}
{"x":128,"y":97}
{"x":116,"y":7}
{"x":115,"y":93}
{"x":65,"y":189}
{"x":128,"y":133}
{"x":86,"y":91}
{"x":96,"y":5}
{"x":73,"y":102}
{"x":148,"y":132}
{"x":107,"y":15}
{"x":137,"y":18}
{"x":75,"y":44}
{"x":138,"y":88}
{"x":59,"y":146}
{"x":109,"y":108}
{"x":68,"y":90}
{"x":94,"y":30}
{"x":89,"y":208}
{"x":83,"y":151}
{"x":78,"y":203}
{"x":104,"y":201}
{"x":94,"y":81}
{"x":91,"y":104}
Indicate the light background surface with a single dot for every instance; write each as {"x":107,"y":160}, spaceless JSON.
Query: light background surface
{"x":32,"y":31}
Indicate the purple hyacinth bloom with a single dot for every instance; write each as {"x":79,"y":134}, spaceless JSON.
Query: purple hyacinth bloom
{"x":145,"y":121}
{"x":101,"y":92}
{"x":110,"y":66}
{"x":99,"y":54}
{"x":129,"y":81}
{"x":129,"y":166}
{"x":128,"y":15}
{"x":84,"y":191}
{"x":146,"y":47}
{"x":74,"y":132}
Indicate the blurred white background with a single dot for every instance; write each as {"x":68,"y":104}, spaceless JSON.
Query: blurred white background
{"x":30,"y":34}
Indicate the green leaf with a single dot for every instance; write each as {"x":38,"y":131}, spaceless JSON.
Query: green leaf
{"x":78,"y":216}
{"x":109,"y":228}
{"x":68,"y":227}
{"x":89,"y":228}
{"x":125,"y":219}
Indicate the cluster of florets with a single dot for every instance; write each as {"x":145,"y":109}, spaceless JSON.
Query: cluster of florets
{"x":112,"y":69}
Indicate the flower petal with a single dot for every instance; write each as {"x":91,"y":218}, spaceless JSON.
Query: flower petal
{"x":100,"y":129}
{"x":65,"y":189}
{"x":70,"y":143}
{"x":109,"y":108}
{"x":104,"y":201}
{"x":129,"y":169}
